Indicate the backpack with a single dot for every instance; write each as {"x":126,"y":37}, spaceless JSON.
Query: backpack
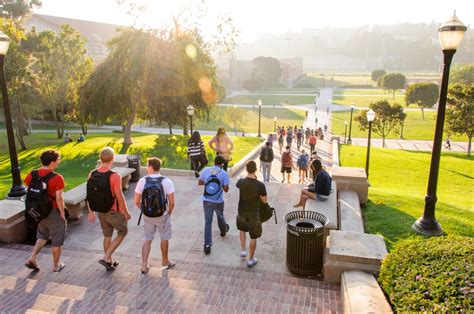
{"x":266,"y":155}
{"x":154,"y":201}
{"x":303,"y":161}
{"x":213,"y":187}
{"x":38,"y":204}
{"x":286,"y":159}
{"x":99,"y":194}
{"x":289,"y":137}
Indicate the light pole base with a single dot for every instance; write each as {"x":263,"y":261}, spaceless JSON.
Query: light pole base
{"x":349,"y":142}
{"x":260,"y":135}
{"x":427,"y":227}
{"x":17,"y":191}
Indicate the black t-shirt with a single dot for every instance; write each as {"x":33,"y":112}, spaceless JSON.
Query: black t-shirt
{"x":250,"y":192}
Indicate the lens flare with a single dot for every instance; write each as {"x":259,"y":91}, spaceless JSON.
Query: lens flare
{"x":191,"y":51}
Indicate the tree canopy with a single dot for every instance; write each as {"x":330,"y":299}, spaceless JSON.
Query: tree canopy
{"x":424,"y":95}
{"x":267,"y":71}
{"x":463,"y":74}
{"x":393,"y":82}
{"x":460,"y":112}
{"x":376,"y":74}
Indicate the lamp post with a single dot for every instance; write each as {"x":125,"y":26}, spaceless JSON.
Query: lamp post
{"x":451,"y":34}
{"x":349,"y":140}
{"x":190,"y":110}
{"x":259,"y":116}
{"x":17,"y":189}
{"x":274,"y":124}
{"x":345,"y":131}
{"x":370,"y":119}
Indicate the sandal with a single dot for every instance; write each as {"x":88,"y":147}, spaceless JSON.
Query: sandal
{"x":32,"y":266}
{"x":144,"y":272}
{"x":106,"y":264}
{"x":169,"y":266}
{"x":61,"y":267}
{"x":115,"y":263}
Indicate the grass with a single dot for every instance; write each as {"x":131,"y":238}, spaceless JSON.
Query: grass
{"x":270,"y":99}
{"x":365,"y":100}
{"x":285,"y":117}
{"x":398,"y":182}
{"x":363,"y":91}
{"x":79,"y":158}
{"x":415,"y":127}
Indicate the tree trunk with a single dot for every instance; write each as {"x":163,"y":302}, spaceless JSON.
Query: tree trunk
{"x":127,"y":136}
{"x":30,"y":129}
{"x":185,"y":129}
{"x":56,"y":123}
{"x":383,"y":141}
{"x":19,"y":124}
{"x":393,"y":97}
{"x":84,"y":128}
{"x":423,"y":113}
{"x":469,"y":147}
{"x":401,"y":131}
{"x":170,"y":128}
{"x":208,"y":114}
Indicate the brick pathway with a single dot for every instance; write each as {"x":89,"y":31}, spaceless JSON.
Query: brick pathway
{"x":219,"y":282}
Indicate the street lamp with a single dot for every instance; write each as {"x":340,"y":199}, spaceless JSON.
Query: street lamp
{"x":190,"y":110}
{"x":259,"y":115}
{"x":274,"y":124}
{"x":451,"y":34}
{"x":370,"y":119}
{"x":17,"y":189}
{"x":345,"y":131}
{"x":349,"y":140}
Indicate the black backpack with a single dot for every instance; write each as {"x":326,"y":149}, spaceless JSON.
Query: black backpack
{"x":153,"y":197}
{"x":99,"y":194}
{"x":38,"y":204}
{"x":213,"y":187}
{"x":266,"y":154}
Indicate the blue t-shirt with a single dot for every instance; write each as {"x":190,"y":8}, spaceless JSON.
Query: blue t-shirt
{"x":221,"y":175}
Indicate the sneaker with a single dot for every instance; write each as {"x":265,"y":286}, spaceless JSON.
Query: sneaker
{"x":207,"y":249}
{"x":252,"y":262}
{"x":197,"y":174}
{"x":243,"y":254}
{"x":226,"y":230}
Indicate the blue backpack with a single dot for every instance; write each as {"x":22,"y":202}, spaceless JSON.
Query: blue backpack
{"x":213,"y":187}
{"x":153,"y":198}
{"x":303,"y":161}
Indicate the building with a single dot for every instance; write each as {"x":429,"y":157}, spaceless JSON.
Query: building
{"x":97,"y":34}
{"x":292,"y":71}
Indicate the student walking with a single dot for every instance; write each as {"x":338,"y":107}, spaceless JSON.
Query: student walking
{"x":215,"y":181}
{"x":105,"y":197}
{"x":286,"y":164}
{"x":197,"y":153}
{"x":45,"y":196}
{"x":307,"y":133}
{"x":299,"y":139}
{"x":223,"y":146}
{"x":312,"y":142}
{"x":154,"y":196}
{"x":289,"y":138}
{"x":280,"y":142}
{"x":252,"y":194}
{"x":302,"y":163}
{"x":266,"y":158}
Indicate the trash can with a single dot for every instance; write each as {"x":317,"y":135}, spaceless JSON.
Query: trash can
{"x":305,"y":242}
{"x":134,"y":162}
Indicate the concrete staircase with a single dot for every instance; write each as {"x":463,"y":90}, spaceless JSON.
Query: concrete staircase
{"x":85,"y":286}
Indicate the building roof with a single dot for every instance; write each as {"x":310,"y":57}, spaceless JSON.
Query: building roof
{"x":87,"y":28}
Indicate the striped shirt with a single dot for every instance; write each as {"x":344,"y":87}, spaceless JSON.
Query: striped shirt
{"x":196,"y":149}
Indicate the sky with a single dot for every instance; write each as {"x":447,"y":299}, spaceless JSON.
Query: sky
{"x":255,"y":17}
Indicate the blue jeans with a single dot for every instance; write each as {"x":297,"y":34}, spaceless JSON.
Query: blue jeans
{"x":266,"y":168}
{"x":209,"y":209}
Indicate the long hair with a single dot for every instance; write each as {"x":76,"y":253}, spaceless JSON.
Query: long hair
{"x":195,"y":138}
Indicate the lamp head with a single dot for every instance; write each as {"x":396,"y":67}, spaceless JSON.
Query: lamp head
{"x":275,"y":119}
{"x":4,"y":43}
{"x":190,"y":110}
{"x":370,"y":115}
{"x":345,"y":122}
{"x":352,"y":106}
{"x":451,"y":33}
{"x":259,"y":102}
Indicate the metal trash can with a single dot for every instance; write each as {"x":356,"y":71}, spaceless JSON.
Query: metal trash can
{"x":305,"y":242}
{"x":134,"y":162}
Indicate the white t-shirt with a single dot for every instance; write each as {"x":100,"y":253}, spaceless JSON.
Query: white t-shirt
{"x":168,"y":186}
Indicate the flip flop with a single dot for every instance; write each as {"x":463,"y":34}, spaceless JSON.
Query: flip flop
{"x":107,"y":265}
{"x":32,"y":266}
{"x":115,"y":263}
{"x":61,"y":267}
{"x":169,"y":266}
{"x":144,"y":272}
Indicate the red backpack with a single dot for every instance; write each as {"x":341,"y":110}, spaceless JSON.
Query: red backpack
{"x":286,"y":159}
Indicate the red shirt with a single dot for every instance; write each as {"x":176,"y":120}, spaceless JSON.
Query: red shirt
{"x":115,"y":180}
{"x":55,"y":184}
{"x":312,"y":139}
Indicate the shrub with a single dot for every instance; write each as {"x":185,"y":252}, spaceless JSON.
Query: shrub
{"x":430,"y":275}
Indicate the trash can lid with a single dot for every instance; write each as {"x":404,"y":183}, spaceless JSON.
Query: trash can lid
{"x":305,"y":223}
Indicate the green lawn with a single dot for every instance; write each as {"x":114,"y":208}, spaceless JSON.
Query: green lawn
{"x":365,"y":100}
{"x":270,"y":99}
{"x":365,"y":91}
{"x":79,"y":158}
{"x":284,"y":116}
{"x":398,"y":182}
{"x":415,"y":127}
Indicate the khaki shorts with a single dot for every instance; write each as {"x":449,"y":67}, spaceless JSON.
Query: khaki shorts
{"x":162,"y":224}
{"x":113,"y":220}
{"x":52,"y":227}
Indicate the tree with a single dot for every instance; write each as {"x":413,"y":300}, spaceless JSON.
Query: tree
{"x":17,"y":9}
{"x":460,"y":113}
{"x":424,"y":95}
{"x":236,"y":116}
{"x":251,"y":85}
{"x":387,"y":118}
{"x":463,"y":74}
{"x":267,"y":71}
{"x":393,"y":82}
{"x":376,"y":74}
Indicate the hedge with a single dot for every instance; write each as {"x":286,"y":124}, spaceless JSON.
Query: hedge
{"x":430,"y":275}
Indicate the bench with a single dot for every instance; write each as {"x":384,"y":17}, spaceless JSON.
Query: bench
{"x":350,"y":213}
{"x":352,"y":179}
{"x":327,"y":208}
{"x":13,"y":226}
{"x":361,"y":293}
{"x":75,"y":199}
